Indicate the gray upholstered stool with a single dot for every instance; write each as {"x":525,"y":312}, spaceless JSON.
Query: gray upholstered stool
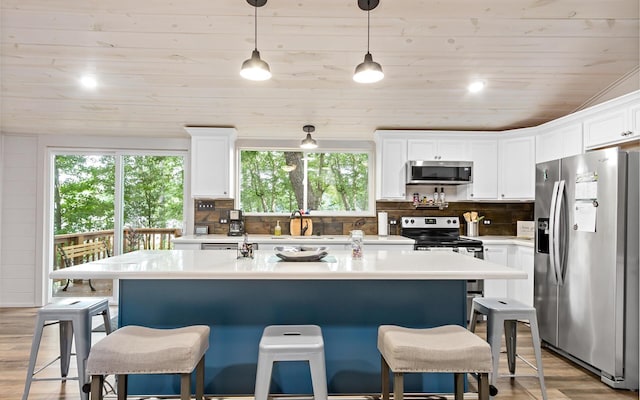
{"x":502,"y":312}
{"x":291,"y":343}
{"x":74,"y":318}
{"x":448,"y":348}
{"x":139,"y":350}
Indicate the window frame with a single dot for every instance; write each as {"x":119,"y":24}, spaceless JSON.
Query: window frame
{"x":48,"y":235}
{"x":325,"y":147}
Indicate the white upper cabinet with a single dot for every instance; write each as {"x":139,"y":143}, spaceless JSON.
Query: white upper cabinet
{"x":553,"y":143}
{"x":484,"y":154}
{"x":212,"y":160}
{"x":437,"y":149}
{"x":517,"y":167}
{"x":614,"y":122}
{"x":391,"y":154}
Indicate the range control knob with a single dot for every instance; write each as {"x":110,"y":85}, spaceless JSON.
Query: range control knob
{"x":448,"y":221}
{"x":413,"y":221}
{"x":406,"y":221}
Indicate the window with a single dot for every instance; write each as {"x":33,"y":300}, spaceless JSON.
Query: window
{"x":281,"y":181}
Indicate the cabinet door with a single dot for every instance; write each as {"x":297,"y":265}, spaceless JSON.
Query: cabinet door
{"x":432,"y":149}
{"x":517,"y":168}
{"x":210,"y":166}
{"x":453,"y":150}
{"x":422,"y":150}
{"x":484,"y":154}
{"x":559,"y":142}
{"x":606,"y":127}
{"x":495,"y":254}
{"x":618,"y":124}
{"x":393,"y":154}
{"x":522,"y":289}
{"x":634,"y":124}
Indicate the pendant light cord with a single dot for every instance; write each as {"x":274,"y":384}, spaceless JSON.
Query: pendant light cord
{"x":255,"y":27}
{"x":368,"y":25}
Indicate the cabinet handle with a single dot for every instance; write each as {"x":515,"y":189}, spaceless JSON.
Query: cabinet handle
{"x":471,"y":194}
{"x":502,"y":194}
{"x":626,"y":133}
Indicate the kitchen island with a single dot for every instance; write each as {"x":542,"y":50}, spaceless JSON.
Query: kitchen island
{"x":348,"y":298}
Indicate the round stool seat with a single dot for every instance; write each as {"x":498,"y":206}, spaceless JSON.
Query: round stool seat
{"x":449,"y":348}
{"x":141,"y":350}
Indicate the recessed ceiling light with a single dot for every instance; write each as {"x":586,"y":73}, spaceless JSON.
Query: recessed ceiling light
{"x":88,"y":82}
{"x":476,"y":86}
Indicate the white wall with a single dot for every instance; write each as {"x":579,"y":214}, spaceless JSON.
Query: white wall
{"x":24,"y":229}
{"x":19,"y":278}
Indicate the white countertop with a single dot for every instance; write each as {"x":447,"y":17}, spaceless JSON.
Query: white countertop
{"x":224,"y":264}
{"x":495,"y":239}
{"x":301,"y":240}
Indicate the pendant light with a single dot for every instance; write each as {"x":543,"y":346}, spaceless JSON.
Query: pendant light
{"x":368,"y":71}
{"x":308,"y":142}
{"x":254,"y":68}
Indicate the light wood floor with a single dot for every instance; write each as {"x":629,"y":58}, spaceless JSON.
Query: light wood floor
{"x":564,"y":379}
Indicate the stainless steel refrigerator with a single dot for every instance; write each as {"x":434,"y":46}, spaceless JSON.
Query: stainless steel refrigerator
{"x":586,"y":261}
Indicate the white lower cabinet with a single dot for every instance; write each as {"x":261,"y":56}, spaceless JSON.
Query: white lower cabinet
{"x":513,"y":256}
{"x":522,"y":289}
{"x":496,"y":254}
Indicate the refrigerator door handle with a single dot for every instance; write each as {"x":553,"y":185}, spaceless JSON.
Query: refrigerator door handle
{"x":552,"y":230}
{"x":556,"y":235}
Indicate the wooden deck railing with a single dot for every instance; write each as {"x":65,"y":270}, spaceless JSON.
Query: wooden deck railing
{"x":136,"y":239}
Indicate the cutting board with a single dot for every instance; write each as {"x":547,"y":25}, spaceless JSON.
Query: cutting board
{"x":294,"y":226}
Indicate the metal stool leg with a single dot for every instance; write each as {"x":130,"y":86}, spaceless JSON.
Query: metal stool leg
{"x":494,"y":335}
{"x":66,"y":340}
{"x":35,"y":346}
{"x":318,"y":376}
{"x":106,"y":316}
{"x":82,"y":336}
{"x":263,"y":376}
{"x":533,"y":324}
{"x":473,"y":317}
{"x":510,"y":336}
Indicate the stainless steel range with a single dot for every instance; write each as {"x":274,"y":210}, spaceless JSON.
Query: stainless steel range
{"x":443,"y":234}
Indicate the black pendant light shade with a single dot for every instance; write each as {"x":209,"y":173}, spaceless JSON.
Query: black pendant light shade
{"x":368,"y":71}
{"x":308,"y":142}
{"x":255,"y":68}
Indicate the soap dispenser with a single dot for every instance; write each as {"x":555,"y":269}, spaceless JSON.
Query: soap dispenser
{"x":278,"y":230}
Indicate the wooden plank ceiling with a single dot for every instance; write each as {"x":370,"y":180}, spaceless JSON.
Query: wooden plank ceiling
{"x":165,"y":64}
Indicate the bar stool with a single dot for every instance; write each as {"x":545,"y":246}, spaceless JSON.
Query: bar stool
{"x":74,"y":318}
{"x":503,"y":312}
{"x":140,"y":350}
{"x":449,"y":348}
{"x":291,"y":343}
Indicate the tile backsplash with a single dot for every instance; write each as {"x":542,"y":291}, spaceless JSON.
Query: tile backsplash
{"x":503,"y":217}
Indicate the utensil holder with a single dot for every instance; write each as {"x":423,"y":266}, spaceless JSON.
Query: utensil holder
{"x":472,"y":228}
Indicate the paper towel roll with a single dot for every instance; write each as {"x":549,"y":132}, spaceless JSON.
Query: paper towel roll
{"x":382,"y":224}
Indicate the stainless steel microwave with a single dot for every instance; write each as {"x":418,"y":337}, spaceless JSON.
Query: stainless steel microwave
{"x":439,"y":172}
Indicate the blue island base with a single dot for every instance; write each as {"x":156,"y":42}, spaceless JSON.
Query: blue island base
{"x":348,"y":311}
